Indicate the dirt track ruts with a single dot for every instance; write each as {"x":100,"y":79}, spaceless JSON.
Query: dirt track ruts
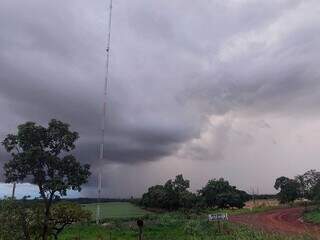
{"x":286,"y":221}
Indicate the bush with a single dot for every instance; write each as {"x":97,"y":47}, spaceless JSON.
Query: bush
{"x":24,"y":219}
{"x":10,"y":220}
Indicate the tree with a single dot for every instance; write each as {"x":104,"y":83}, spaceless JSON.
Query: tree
{"x":172,"y":196}
{"x":180,"y":184}
{"x":187,"y":200}
{"x":308,"y":181}
{"x":289,"y":189}
{"x":219,"y":193}
{"x":213,"y":188}
{"x":315,"y":193}
{"x":306,"y":185}
{"x":280,"y":182}
{"x":20,"y":219}
{"x":64,"y":214}
{"x":40,"y":156}
{"x":155,"y":197}
{"x":24,"y":219}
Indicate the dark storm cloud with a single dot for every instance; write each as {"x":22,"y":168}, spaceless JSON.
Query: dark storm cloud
{"x":173,"y":64}
{"x":51,"y":67}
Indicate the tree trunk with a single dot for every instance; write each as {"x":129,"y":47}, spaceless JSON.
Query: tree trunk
{"x":25,"y":228}
{"x":47,"y":202}
{"x":45,"y":231}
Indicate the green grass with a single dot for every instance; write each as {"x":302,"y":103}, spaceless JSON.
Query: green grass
{"x":116,"y":210}
{"x":312,"y":215}
{"x":242,"y":210}
{"x":169,"y":226}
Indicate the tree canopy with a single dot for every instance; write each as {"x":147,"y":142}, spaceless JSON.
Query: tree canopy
{"x":219,"y":193}
{"x":40,"y":155}
{"x":306,"y":186}
{"x":172,"y":195}
{"x":289,"y":189}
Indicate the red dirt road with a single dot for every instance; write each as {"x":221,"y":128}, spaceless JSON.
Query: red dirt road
{"x":287,"y":221}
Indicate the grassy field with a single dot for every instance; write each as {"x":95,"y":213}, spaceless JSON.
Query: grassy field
{"x":313,"y":216}
{"x":116,"y":210}
{"x":168,"y":226}
{"x":119,"y":224}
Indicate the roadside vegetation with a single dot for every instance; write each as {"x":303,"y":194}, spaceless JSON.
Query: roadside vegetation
{"x":169,"y":226}
{"x":312,"y":215}
{"x":305,"y":186}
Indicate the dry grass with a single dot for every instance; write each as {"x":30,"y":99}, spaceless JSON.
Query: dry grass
{"x":262,"y":203}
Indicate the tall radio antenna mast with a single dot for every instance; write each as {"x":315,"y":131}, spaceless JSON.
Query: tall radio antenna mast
{"x":103,"y":128}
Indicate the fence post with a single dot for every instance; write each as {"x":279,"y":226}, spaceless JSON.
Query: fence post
{"x":140,"y":225}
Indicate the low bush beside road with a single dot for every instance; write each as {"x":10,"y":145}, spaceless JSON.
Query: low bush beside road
{"x":312,"y":215}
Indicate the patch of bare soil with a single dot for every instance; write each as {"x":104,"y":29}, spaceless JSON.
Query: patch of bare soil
{"x":286,"y":221}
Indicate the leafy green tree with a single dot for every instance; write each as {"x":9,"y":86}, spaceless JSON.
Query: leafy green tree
{"x":180,"y":184}
{"x":289,"y":189}
{"x":230,"y":199}
{"x":219,"y":193}
{"x":11,"y":224}
{"x":187,"y":200}
{"x":308,"y":181}
{"x":214,"y":188}
{"x":306,"y":185}
{"x":172,"y":196}
{"x":281,"y":181}
{"x":177,"y":194}
{"x":20,"y":219}
{"x":155,"y":197}
{"x":40,"y":156}
{"x":315,"y":193}
{"x":64,"y":214}
{"x":24,"y":219}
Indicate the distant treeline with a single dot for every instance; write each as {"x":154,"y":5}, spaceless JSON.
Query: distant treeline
{"x":265,"y":196}
{"x":132,"y":200}
{"x":81,"y":200}
{"x":136,"y":201}
{"x":95,"y":200}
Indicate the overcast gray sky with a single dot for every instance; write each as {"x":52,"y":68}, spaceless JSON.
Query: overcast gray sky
{"x":206,"y":88}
